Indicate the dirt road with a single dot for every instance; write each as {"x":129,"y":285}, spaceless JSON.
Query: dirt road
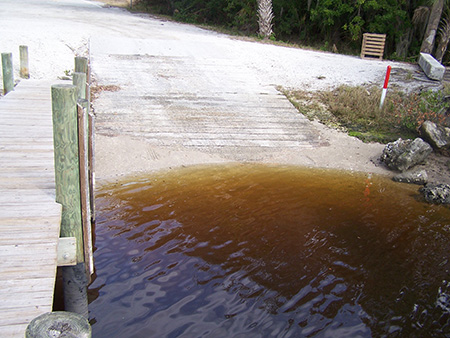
{"x":187,"y":95}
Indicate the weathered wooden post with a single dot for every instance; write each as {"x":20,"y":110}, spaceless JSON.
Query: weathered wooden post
{"x":81,"y":64}
{"x":67,"y":179}
{"x":24,"y":69}
{"x":59,"y":324}
{"x":8,"y":73}
{"x":91,"y":162}
{"x":79,"y":81}
{"x":83,"y":135}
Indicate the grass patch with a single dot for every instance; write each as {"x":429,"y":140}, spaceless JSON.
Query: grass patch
{"x":356,"y":111}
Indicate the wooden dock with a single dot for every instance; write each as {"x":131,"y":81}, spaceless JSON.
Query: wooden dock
{"x":29,"y":216}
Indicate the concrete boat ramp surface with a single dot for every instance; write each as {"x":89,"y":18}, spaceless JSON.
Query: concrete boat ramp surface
{"x":184,"y":95}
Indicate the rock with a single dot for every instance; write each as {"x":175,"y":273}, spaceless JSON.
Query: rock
{"x":404,"y":154}
{"x":436,"y":135}
{"x":437,"y":194}
{"x":412,"y":176}
{"x":431,"y":67}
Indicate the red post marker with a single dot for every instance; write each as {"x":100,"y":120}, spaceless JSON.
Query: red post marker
{"x":386,"y":81}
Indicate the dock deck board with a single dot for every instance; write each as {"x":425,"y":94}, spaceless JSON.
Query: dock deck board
{"x":29,"y":216}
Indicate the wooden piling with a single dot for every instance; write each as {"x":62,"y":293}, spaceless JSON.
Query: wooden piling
{"x":81,"y":64}
{"x":75,"y":289}
{"x":79,"y":81}
{"x":24,"y":68}
{"x":91,"y":146}
{"x":83,"y":135}
{"x":85,"y":121}
{"x":91,"y":163}
{"x":67,"y":177}
{"x":59,"y":324}
{"x":8,"y":73}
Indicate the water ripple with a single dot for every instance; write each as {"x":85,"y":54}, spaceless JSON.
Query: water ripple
{"x":255,"y":251}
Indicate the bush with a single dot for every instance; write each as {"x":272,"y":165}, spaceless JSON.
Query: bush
{"x":356,"y":109}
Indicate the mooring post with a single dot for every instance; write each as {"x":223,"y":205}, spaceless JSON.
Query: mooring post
{"x":59,"y":324}
{"x":91,"y":162}
{"x":8,"y":73}
{"x":81,"y":64}
{"x":67,"y":179}
{"x":24,"y":69}
{"x":83,"y":134}
{"x":79,"y":81}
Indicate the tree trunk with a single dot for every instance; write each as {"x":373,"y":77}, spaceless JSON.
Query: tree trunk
{"x":433,"y":23}
{"x":442,"y":48}
{"x":403,"y":43}
{"x":265,"y":17}
{"x":444,"y":33}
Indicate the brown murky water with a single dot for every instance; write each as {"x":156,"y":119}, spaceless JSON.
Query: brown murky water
{"x":260,"y":251}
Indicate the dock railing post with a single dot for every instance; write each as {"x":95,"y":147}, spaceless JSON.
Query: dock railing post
{"x":24,"y":69}
{"x":67,"y":179}
{"x":8,"y":73}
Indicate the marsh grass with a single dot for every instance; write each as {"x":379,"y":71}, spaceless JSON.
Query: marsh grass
{"x":356,"y":110}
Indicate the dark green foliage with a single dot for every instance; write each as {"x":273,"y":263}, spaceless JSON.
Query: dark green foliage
{"x":326,"y":23}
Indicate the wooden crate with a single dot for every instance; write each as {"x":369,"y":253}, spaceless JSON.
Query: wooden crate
{"x":373,"y":46}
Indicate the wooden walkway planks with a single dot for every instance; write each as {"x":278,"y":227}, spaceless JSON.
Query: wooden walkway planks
{"x":29,"y":216}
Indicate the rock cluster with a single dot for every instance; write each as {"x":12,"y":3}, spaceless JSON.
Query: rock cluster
{"x":436,"y":135}
{"x":436,"y":193}
{"x":412,"y":176}
{"x":404,"y":155}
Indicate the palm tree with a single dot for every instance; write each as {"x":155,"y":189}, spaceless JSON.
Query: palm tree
{"x":432,"y":26}
{"x":444,"y":36}
{"x":265,"y":17}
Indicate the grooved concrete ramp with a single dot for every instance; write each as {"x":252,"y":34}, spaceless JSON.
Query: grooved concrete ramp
{"x":196,"y":95}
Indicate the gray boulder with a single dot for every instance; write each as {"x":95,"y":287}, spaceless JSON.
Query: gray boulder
{"x":436,"y":135}
{"x":437,"y":194}
{"x":404,"y":154}
{"x":412,"y":176}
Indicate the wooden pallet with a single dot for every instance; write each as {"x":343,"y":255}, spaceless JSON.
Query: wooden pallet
{"x":373,"y":46}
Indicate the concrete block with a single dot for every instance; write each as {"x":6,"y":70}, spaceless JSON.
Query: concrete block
{"x":432,"y":68}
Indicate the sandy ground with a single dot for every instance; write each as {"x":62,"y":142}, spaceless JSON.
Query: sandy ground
{"x":57,"y":30}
